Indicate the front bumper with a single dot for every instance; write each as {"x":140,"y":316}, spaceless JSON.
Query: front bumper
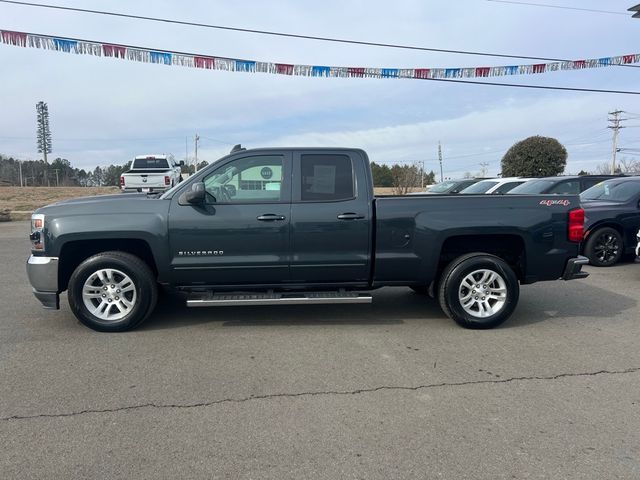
{"x":573,"y":270}
{"x":43,"y":276}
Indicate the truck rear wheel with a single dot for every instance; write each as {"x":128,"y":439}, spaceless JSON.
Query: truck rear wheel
{"x":478,"y":291}
{"x":112,"y":292}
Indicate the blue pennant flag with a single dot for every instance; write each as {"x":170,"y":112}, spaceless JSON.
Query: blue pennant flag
{"x":320,"y":71}
{"x":389,"y":73}
{"x":160,"y":57}
{"x":65,"y":45}
{"x":245,"y":66}
{"x":511,"y":70}
{"x":605,"y":61}
{"x":452,"y":72}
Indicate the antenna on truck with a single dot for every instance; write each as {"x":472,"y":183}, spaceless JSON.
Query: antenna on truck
{"x":237,"y":148}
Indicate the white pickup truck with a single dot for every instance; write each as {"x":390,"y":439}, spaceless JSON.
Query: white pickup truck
{"x":151,"y":173}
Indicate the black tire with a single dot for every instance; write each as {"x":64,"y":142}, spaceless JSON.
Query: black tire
{"x":141,"y":276}
{"x":451,"y":283}
{"x":604,"y":247}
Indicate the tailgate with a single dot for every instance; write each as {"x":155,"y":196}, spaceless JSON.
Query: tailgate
{"x":144,"y":180}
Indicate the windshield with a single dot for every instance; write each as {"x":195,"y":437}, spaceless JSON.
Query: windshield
{"x":612,"y":190}
{"x":442,"y":187}
{"x":480,"y":187}
{"x":150,"y":162}
{"x":532,"y":187}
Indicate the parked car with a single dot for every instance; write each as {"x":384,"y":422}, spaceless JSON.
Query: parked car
{"x":297,"y":226}
{"x":638,"y":244}
{"x":151,"y":173}
{"x":612,"y":218}
{"x":497,"y":186}
{"x":449,"y":186}
{"x":564,"y":184}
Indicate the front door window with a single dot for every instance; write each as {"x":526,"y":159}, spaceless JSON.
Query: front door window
{"x":255,"y":179}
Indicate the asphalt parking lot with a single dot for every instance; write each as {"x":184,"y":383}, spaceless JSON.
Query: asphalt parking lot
{"x":391,"y":390}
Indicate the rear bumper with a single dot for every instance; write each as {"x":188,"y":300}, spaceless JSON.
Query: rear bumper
{"x":144,"y":189}
{"x":573,"y":270}
{"x":43,"y":276}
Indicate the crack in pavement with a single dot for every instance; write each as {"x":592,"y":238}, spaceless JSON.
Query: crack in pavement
{"x":321,"y":392}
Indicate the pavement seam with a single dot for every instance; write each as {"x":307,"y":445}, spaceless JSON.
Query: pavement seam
{"x":321,"y":392}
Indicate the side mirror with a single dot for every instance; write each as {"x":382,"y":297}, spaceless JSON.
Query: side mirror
{"x":181,"y":163}
{"x":196,"y":195}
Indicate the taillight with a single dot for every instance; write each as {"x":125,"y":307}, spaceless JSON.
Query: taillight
{"x":167,"y":180}
{"x":576,"y":225}
{"x":122,"y":181}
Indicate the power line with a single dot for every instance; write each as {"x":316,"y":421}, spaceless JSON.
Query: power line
{"x":290,"y":35}
{"x":542,"y":87}
{"x":546,"y":5}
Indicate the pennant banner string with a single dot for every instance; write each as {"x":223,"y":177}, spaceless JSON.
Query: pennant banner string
{"x":165,"y":57}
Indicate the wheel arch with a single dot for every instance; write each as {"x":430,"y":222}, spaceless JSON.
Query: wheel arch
{"x":74,"y":252}
{"x":508,"y":247}
{"x":604,"y":224}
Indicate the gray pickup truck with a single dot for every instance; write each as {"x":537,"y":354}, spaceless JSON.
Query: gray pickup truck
{"x":298,"y":226}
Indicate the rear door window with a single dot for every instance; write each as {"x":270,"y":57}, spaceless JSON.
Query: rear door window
{"x":326,"y":178}
{"x":571,"y":187}
{"x":505,"y":187}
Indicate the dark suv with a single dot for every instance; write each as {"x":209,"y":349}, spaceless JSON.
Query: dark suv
{"x":563,"y":185}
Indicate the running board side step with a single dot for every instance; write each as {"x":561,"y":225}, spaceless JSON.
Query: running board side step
{"x":311,"y":298}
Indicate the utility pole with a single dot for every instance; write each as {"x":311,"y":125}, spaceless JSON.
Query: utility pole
{"x":20,"y":170}
{"x":196,"y":140}
{"x":57,"y":182}
{"x":421,"y":162}
{"x":614,"y":121}
{"x":440,"y":159}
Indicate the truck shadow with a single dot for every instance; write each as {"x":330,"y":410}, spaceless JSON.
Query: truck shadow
{"x":390,"y":306}
{"x":575,"y":299}
{"x":538,"y":303}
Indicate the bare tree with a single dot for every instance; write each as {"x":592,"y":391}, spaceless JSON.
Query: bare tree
{"x":629,"y":166}
{"x":405,"y":178}
{"x":626,"y":165}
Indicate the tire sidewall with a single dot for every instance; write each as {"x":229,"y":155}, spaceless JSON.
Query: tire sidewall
{"x":591,"y":243}
{"x":98,"y":262}
{"x":464,"y":268}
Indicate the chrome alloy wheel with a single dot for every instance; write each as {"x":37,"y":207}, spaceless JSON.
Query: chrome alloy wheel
{"x":109,"y":294}
{"x":482,"y":293}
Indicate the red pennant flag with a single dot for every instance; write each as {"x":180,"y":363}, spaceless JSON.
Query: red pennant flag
{"x":421,"y":73}
{"x":284,"y":68}
{"x":15,"y":38}
{"x":204,"y":62}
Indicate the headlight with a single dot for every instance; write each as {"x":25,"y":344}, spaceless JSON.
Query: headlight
{"x":37,"y":232}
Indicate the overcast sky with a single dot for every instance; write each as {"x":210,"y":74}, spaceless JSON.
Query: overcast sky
{"x":106,"y":110}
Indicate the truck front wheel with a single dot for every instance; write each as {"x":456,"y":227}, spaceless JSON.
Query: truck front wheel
{"x":478,"y":291}
{"x":112,"y":292}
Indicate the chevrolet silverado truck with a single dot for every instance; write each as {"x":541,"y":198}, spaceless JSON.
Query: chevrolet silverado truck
{"x":151,"y":173}
{"x":297,"y":226}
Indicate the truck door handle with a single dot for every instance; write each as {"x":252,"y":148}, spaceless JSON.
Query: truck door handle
{"x":270,"y":217}
{"x":350,"y":216}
